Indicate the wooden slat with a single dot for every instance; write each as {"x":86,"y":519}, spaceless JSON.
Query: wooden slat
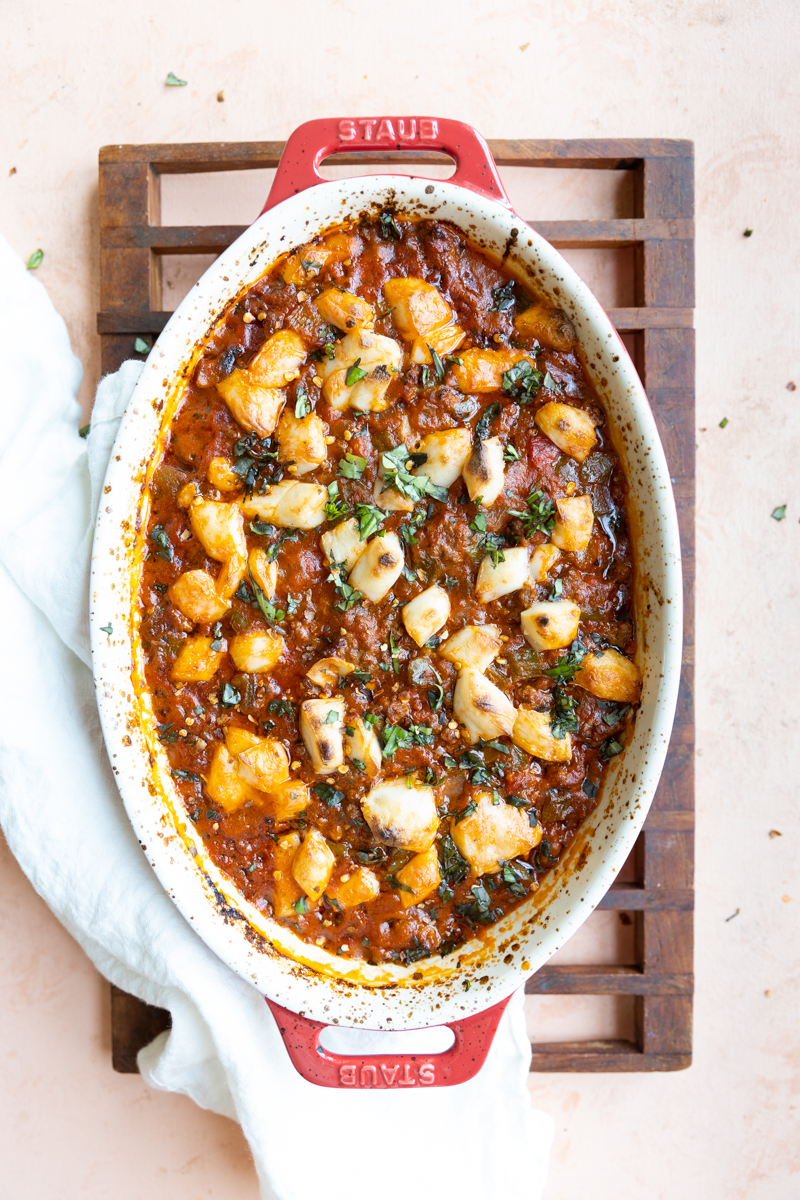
{"x":631,"y":897}
{"x":607,"y":981}
{"x":134,"y":1026}
{"x":603,"y":1056}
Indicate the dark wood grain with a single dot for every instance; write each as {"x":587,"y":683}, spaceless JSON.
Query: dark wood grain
{"x":660,"y":897}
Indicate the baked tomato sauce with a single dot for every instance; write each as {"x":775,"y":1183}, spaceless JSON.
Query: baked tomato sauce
{"x":386,"y":607}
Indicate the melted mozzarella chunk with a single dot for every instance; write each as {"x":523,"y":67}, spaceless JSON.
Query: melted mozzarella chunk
{"x":493,"y":834}
{"x":533,"y":734}
{"x":378,"y":568}
{"x":195,"y":594}
{"x":482,"y":708}
{"x":483,"y":370}
{"x":401,"y":816}
{"x":550,"y":326}
{"x":219,"y":527}
{"x":571,"y":429}
{"x":421,"y":874}
{"x":484,"y":471}
{"x":286,"y":893}
{"x":473,"y":646}
{"x":544,"y":559}
{"x":253,"y":394}
{"x":380,"y":357}
{"x":418,"y":306}
{"x":256,"y":651}
{"x":447,"y":453}
{"x":444,"y":341}
{"x":610,"y":676}
{"x":321,"y":727}
{"x":343,"y":544}
{"x":313,"y":864}
{"x":362,"y":746}
{"x":220,"y":474}
{"x":359,"y":888}
{"x":496,"y":580}
{"x":573,"y":525}
{"x":426,"y":614}
{"x":197,"y":662}
{"x":292,"y":505}
{"x":328,"y":671}
{"x":264,"y":571}
{"x":304,"y":265}
{"x":550,"y":624}
{"x":345,"y":310}
{"x":301,"y":442}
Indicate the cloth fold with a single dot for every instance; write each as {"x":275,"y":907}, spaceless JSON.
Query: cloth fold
{"x":64,"y":822}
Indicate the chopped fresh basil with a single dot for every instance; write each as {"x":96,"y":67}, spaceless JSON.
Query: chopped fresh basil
{"x":453,"y":867}
{"x":349,"y":595}
{"x":301,"y":906}
{"x":779,"y":513}
{"x":439,"y":369}
{"x":308,"y":265}
{"x":516,"y":801}
{"x":370,"y":520}
{"x":485,"y":420}
{"x":107,"y":629}
{"x":511,"y":454}
{"x":613,"y":713}
{"x":479,"y":910}
{"x":331,"y":718}
{"x":191,"y":778}
{"x":302,"y":404}
{"x":425,"y":376}
{"x":352,"y":466}
{"x":328,"y":794}
{"x":262,"y":528}
{"x":563,"y":719}
{"x":354,"y":374}
{"x":243,"y":593}
{"x":396,"y":475}
{"x":173,"y":81}
{"x":409,"y":531}
{"x":569,"y":663}
{"x":35,"y":260}
{"x":466,"y":811}
{"x":589,"y":788}
{"x":229,"y":696}
{"x":84,"y":430}
{"x":551,"y":384}
{"x":271,"y":614}
{"x":522,"y":380}
{"x":374,"y":854}
{"x":541,"y":514}
{"x":504,"y":297}
{"x":556,"y":590}
{"x":436,"y":697}
{"x":141,"y":346}
{"x":280,"y":708}
{"x":402,"y":887}
{"x":389,"y":229}
{"x":158,"y":534}
{"x":370,"y":719}
{"x":610,"y":748}
{"x":723,"y":422}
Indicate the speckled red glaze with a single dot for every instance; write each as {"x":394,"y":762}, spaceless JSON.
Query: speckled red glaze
{"x":303,"y":979}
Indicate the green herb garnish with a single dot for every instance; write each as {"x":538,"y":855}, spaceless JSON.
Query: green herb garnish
{"x":158,"y":534}
{"x":352,"y":466}
{"x":522,"y":380}
{"x":354,"y":374}
{"x":302,"y":404}
{"x":541,"y":514}
{"x":370,"y":520}
{"x":328,"y":794}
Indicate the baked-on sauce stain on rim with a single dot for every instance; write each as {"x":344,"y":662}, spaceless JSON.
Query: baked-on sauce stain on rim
{"x":303,"y":505}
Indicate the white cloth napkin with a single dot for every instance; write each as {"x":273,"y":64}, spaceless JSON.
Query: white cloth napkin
{"x":64,"y":821}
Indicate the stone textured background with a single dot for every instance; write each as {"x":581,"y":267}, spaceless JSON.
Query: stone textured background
{"x":722,"y":72}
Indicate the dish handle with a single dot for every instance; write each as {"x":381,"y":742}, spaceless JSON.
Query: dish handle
{"x":315,"y":140}
{"x":473,"y":1039}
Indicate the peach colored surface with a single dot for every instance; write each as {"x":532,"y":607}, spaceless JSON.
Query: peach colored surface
{"x":722,"y":72}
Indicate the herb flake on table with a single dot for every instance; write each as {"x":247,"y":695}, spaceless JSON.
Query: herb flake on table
{"x":141,"y":346}
{"x":778,"y":513}
{"x":173,"y":81}
{"x":35,"y":260}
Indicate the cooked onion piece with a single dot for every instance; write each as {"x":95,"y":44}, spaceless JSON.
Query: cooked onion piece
{"x":473,"y":646}
{"x":501,"y":578}
{"x":321,"y":727}
{"x":197,"y":662}
{"x":301,"y":442}
{"x":447,"y":453}
{"x":493,"y":834}
{"x":533,"y":734}
{"x":343,"y":544}
{"x":573,"y":525}
{"x":482,"y":708}
{"x":421,"y":875}
{"x":378,"y":568}
{"x":570,"y":428}
{"x":313,"y":863}
{"x":293,"y":505}
{"x":484,"y":471}
{"x":195,"y":594}
{"x":550,"y":624}
{"x":401,"y":816}
{"x":609,"y":675}
{"x":256,"y":650}
{"x":253,"y":393}
{"x":426,"y":614}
